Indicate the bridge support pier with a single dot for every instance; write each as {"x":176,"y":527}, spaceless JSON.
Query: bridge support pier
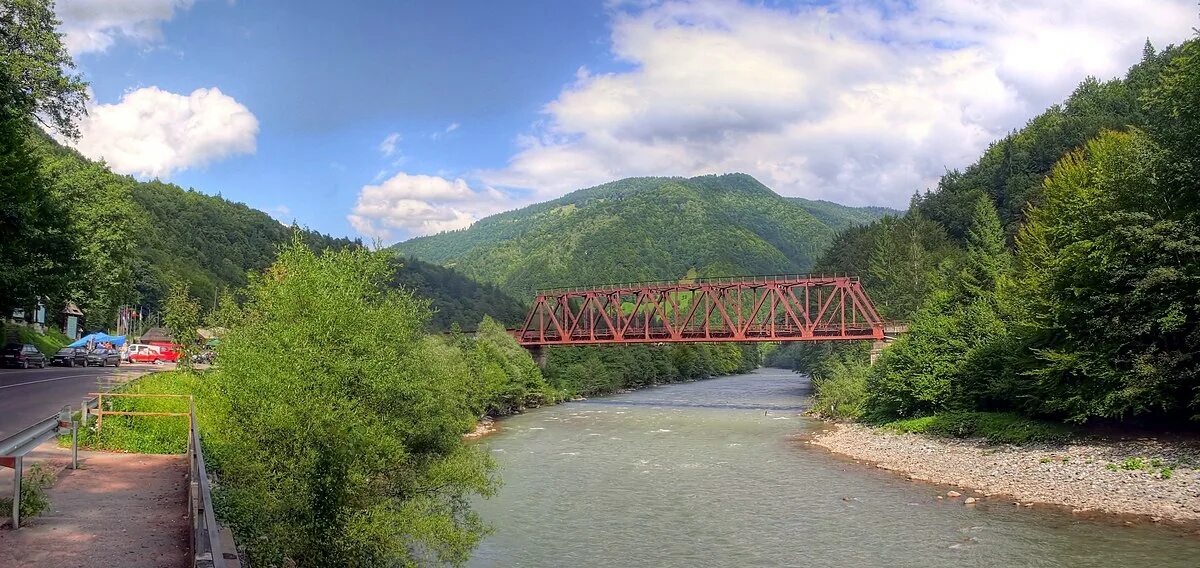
{"x":877,"y":349}
{"x":538,"y":352}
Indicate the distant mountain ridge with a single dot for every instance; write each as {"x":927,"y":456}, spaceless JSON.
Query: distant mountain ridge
{"x":647,"y":228}
{"x":842,"y":217}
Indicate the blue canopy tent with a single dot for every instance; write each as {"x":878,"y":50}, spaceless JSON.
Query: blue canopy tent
{"x":99,"y":337}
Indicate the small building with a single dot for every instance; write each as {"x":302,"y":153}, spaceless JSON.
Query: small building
{"x":71,"y":318}
{"x":157,"y":335}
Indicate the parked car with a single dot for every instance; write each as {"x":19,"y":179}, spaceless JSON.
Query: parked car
{"x":69,"y":357}
{"x":142,"y":353}
{"x":23,"y":355}
{"x":101,"y":357}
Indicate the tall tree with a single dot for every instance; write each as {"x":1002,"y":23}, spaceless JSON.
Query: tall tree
{"x":181,"y":317}
{"x":38,"y":67}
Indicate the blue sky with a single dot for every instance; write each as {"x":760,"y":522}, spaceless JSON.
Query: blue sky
{"x":388,"y":120}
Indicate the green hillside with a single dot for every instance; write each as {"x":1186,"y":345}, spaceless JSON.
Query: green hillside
{"x":640,"y":229}
{"x":841,"y":217}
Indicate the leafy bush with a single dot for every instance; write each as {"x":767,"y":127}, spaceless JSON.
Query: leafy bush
{"x":840,"y":386}
{"x":995,"y":427}
{"x":34,"y":483}
{"x":507,"y":380}
{"x":336,"y":426}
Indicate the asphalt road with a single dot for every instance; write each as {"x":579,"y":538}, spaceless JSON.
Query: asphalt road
{"x":29,"y":395}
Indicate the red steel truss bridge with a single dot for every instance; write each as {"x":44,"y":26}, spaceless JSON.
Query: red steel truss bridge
{"x":742,"y":309}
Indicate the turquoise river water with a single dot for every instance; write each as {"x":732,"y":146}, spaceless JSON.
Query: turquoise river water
{"x":711,"y":474}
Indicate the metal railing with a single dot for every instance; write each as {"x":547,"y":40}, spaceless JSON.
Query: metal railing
{"x":766,"y":279}
{"x":206,"y":535}
{"x":14,"y":448}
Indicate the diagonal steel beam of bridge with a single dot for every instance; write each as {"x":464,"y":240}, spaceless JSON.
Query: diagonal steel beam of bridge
{"x":744,"y":309}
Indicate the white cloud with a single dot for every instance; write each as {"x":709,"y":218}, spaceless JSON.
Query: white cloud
{"x":445,"y":131}
{"x":154,"y":133}
{"x":95,"y":25}
{"x":388,"y":146}
{"x":846,"y":102}
{"x":281,"y":213}
{"x":420,"y":205}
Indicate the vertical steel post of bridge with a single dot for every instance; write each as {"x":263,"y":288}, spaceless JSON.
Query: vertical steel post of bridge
{"x":744,"y":309}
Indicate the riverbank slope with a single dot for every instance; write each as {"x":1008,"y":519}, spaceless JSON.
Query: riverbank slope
{"x":1148,"y":477}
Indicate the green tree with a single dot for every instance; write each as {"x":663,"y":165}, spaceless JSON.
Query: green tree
{"x":181,"y":317}
{"x":227,"y":314}
{"x":36,"y":253}
{"x":987,"y":259}
{"x":336,"y":425}
{"x":506,"y":376}
{"x":37,"y":67}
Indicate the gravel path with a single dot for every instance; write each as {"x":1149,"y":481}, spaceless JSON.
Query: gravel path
{"x":1141,"y":476}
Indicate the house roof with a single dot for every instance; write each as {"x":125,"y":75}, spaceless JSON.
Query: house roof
{"x":155,"y":333}
{"x":72,"y":309}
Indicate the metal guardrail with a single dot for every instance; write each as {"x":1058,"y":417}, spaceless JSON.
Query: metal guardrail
{"x":14,"y":448}
{"x":206,"y":535}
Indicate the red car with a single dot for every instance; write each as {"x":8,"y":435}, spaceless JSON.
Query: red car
{"x":152,"y":354}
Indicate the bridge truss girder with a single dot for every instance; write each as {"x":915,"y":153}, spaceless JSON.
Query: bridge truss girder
{"x":740,"y":310}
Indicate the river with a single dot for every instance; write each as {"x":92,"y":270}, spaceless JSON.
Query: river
{"x":710,"y":474}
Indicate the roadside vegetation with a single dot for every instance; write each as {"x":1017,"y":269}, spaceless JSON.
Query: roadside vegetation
{"x":48,"y":343}
{"x":1056,"y":281}
{"x":34,"y":484}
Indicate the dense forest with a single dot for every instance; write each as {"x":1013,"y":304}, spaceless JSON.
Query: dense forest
{"x":642,"y":229}
{"x":1057,"y":277}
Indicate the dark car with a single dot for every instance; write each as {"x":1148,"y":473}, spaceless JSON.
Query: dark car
{"x":69,"y":357}
{"x":101,"y":357}
{"x":23,"y":355}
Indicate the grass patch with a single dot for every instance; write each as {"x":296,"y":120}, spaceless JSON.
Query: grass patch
{"x":1131,"y":464}
{"x":143,"y":434}
{"x":34,"y":483}
{"x":48,"y":343}
{"x":995,"y":427}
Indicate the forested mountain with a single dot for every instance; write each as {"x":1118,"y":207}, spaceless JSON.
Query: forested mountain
{"x":456,"y":299}
{"x":1058,"y":276}
{"x":841,"y":217}
{"x":640,"y":229}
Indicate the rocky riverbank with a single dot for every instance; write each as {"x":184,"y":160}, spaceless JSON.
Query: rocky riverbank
{"x":1148,"y":477}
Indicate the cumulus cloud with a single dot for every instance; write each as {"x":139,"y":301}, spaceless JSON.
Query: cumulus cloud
{"x":420,"y":205}
{"x":154,"y":133}
{"x":95,"y":25}
{"x":388,"y":146}
{"x":848,"y":101}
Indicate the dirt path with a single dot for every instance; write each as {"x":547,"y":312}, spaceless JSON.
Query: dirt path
{"x":126,"y":510}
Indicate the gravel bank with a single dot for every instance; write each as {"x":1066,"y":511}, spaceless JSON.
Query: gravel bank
{"x":1141,"y":476}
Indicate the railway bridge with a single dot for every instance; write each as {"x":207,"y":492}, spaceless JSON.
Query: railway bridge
{"x":740,"y":309}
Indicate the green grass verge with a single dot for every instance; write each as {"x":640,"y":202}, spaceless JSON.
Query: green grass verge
{"x":48,"y":343}
{"x":144,"y":434}
{"x":995,"y":427}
